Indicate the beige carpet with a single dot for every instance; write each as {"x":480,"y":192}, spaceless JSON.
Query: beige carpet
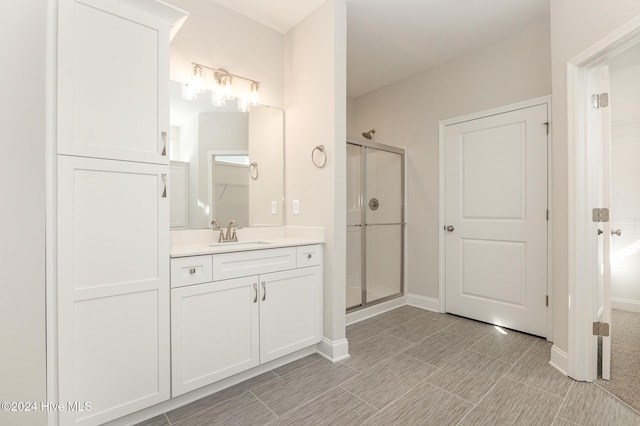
{"x":625,"y":358}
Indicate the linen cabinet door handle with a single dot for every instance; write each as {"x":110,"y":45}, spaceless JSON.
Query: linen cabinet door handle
{"x":164,"y":182}
{"x":264,"y":291}
{"x":255,"y":295}
{"x":164,"y":144}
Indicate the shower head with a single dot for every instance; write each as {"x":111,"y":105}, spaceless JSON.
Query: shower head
{"x":369,"y":135}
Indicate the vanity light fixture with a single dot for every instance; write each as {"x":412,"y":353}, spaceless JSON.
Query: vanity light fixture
{"x":223,"y":85}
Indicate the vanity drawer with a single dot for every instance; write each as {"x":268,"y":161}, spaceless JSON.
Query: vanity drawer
{"x":191,"y":270}
{"x":308,"y":255}
{"x":252,"y":262}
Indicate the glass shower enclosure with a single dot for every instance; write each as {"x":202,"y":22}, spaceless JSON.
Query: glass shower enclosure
{"x":375,"y":223}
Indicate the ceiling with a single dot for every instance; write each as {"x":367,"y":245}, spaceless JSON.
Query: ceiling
{"x":389,"y":40}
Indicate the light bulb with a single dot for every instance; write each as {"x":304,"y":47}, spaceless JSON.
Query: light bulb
{"x":254,"y":95}
{"x":198,"y":80}
{"x":227,"y":87}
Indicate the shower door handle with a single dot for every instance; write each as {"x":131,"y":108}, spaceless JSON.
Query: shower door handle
{"x":449,"y":228}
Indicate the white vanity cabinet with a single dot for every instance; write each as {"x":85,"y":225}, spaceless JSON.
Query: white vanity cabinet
{"x":113,"y":79}
{"x":223,"y":327}
{"x":112,"y":292}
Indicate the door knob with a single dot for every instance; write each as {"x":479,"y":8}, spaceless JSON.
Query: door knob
{"x":617,"y":232}
{"x":449,"y":228}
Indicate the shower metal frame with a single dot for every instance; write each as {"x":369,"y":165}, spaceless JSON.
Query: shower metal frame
{"x":364,"y":303}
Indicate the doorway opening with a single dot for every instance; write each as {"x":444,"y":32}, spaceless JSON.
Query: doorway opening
{"x":602,"y":159}
{"x":375,"y":224}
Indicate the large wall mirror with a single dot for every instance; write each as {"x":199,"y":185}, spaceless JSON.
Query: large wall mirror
{"x":225,"y":164}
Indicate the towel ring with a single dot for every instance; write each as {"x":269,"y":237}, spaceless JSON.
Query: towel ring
{"x":319,"y":148}
{"x":253,"y":170}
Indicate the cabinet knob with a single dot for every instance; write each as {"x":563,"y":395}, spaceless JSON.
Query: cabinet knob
{"x":192,"y":271}
{"x":264,"y":291}
{"x":309,"y":256}
{"x":164,"y":182}
{"x":255,"y":289}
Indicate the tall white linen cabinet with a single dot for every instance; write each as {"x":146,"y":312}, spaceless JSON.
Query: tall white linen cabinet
{"x":111,"y":255}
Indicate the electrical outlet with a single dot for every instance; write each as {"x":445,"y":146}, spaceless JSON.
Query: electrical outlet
{"x":274,"y":208}
{"x":296,"y":206}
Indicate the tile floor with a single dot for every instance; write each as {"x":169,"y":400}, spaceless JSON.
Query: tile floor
{"x":414,"y":367}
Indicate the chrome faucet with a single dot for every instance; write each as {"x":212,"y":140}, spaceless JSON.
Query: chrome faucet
{"x":231,"y":232}
{"x":216,"y":227}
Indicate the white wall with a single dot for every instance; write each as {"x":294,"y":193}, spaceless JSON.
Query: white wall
{"x":407,"y":114}
{"x":315,"y":105}
{"x":575,"y":26}
{"x":22,"y":185}
{"x":266,"y":136}
{"x":218,"y":37}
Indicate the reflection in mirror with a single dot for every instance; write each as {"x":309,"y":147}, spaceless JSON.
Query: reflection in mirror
{"x":225,"y":164}
{"x":230,"y":175}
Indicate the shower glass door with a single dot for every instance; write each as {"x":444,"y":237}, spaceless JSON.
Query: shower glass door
{"x":375,"y":223}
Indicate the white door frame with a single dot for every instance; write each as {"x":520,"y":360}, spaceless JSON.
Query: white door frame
{"x":582,"y":349}
{"x":545,"y":100}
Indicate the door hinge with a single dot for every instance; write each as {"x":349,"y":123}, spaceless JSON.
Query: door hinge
{"x":547,"y":300}
{"x":600,"y":100}
{"x":547,"y":215}
{"x":547,"y":124}
{"x":601,"y":215}
{"x":601,"y":329}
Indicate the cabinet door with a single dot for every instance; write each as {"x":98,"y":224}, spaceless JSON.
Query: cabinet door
{"x":113,"y":82}
{"x":113,"y":287}
{"x":214,"y":329}
{"x":290,"y":311}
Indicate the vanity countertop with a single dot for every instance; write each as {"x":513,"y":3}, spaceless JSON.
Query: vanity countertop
{"x":202,"y":248}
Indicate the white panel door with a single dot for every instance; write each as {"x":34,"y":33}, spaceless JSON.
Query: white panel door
{"x":496,"y":201}
{"x":214,"y":332}
{"x":113,"y":287}
{"x":290,"y":311}
{"x":113,"y":82}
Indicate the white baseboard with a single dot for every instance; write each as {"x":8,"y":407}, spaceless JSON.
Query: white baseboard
{"x":428,"y":303}
{"x":333,"y":351}
{"x":625,"y":304}
{"x":372,"y":311}
{"x":559,"y":360}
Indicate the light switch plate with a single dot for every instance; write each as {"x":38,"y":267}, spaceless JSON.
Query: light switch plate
{"x":296,"y":206}
{"x":274,"y":208}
